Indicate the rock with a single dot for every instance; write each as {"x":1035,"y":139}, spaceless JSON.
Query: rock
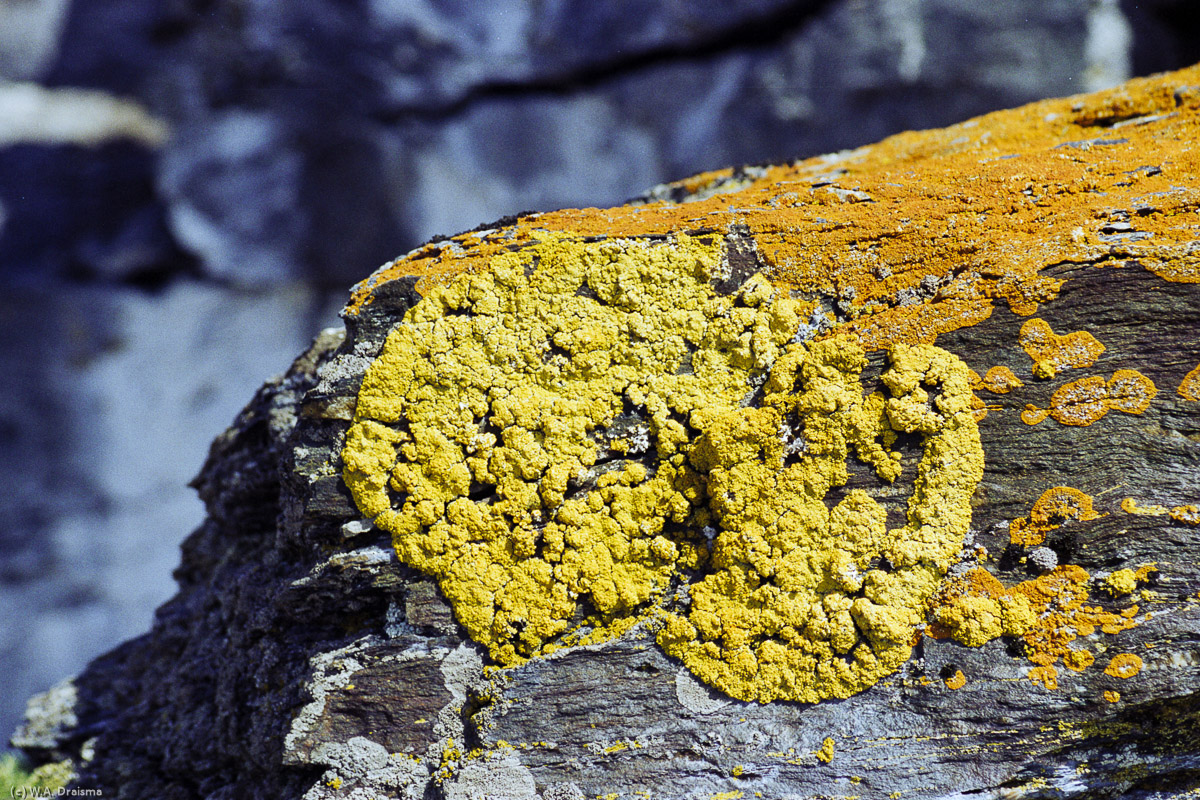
{"x":697,"y":497}
{"x":312,"y":139}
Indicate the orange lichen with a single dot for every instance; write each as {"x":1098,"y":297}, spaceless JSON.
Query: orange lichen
{"x":998,"y":380}
{"x":979,"y":409}
{"x":982,"y":208}
{"x":915,"y":324}
{"x":1124,"y":666}
{"x":1189,"y":387}
{"x":1048,"y":613}
{"x":1051,"y":352}
{"x":957,"y":680}
{"x":1130,"y":391}
{"x":1032,"y":415}
{"x":1187,"y":514}
{"x":1062,"y":594}
{"x":1131,"y":506}
{"x":1080,"y":402}
{"x":1046,"y":676}
{"x":1078,"y":660}
{"x":1050,"y":511}
{"x":1087,"y":400}
{"x":1173,"y":266}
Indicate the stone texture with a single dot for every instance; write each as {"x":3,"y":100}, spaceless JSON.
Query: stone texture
{"x":300,"y":658}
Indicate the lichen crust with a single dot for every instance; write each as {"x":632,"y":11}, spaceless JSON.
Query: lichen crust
{"x":585,"y":435}
{"x":927,"y":232}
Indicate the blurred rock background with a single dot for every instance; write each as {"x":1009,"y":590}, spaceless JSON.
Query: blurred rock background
{"x":189,"y":187}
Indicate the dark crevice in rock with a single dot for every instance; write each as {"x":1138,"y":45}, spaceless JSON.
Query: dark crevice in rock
{"x":742,"y":259}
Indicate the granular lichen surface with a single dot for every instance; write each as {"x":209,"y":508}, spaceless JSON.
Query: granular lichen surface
{"x":477,"y":443}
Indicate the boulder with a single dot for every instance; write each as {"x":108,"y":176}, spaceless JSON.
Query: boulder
{"x":311,"y":139}
{"x":873,"y":474}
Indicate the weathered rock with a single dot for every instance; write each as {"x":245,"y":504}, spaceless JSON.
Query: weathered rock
{"x":649,"y":457}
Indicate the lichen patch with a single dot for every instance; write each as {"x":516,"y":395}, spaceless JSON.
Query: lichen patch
{"x":998,"y":380}
{"x":1048,"y":614}
{"x":796,"y":604}
{"x":1188,"y":514}
{"x":1052,"y":353}
{"x":1087,"y":400}
{"x":905,"y":238}
{"x":1189,"y":387}
{"x":550,"y":438}
{"x":1124,"y":666}
{"x":1121,"y":582}
{"x":1051,"y":510}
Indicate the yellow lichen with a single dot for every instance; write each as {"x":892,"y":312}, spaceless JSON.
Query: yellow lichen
{"x":1189,"y":387}
{"x":827,"y":750}
{"x":794,"y":606}
{"x":1050,"y":511}
{"x":1124,"y":666}
{"x":1051,"y":352}
{"x":474,"y":440}
{"x":957,"y":680}
{"x":1112,"y":696}
{"x":1078,"y":660}
{"x":477,"y":444}
{"x":1123,"y":581}
{"x":488,"y":462}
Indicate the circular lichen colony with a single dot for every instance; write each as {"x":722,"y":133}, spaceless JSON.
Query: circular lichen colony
{"x":804,"y":602}
{"x":550,"y":439}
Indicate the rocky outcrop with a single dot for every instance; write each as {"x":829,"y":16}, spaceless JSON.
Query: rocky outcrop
{"x":873,"y":474}
{"x":311,"y":139}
